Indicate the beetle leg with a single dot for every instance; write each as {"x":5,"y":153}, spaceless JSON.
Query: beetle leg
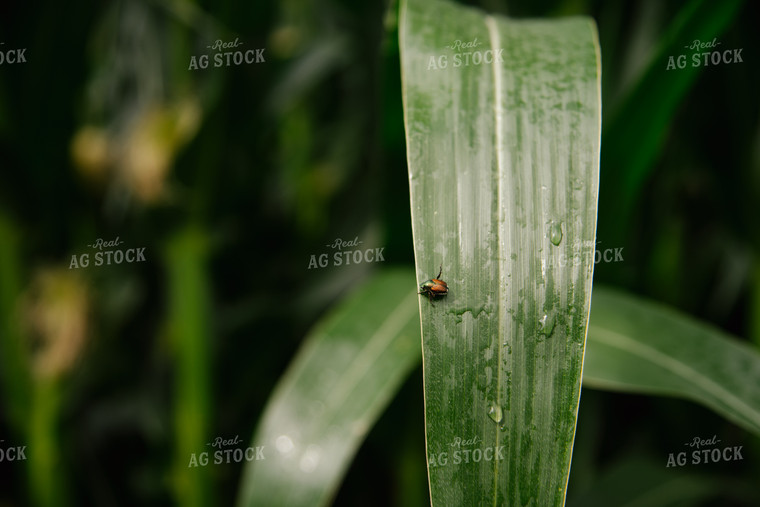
{"x":428,"y":294}
{"x":440,"y":270}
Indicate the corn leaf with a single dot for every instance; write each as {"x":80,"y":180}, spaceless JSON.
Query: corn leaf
{"x":342,"y":378}
{"x":503,"y":126}
{"x":642,"y":347}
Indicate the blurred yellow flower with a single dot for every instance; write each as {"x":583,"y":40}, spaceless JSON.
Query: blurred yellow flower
{"x":141,"y":156}
{"x":55,"y":309}
{"x":91,"y":152}
{"x":152,"y":145}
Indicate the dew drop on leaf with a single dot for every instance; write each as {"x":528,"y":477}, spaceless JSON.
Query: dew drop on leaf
{"x":546,"y":324}
{"x":555,"y":233}
{"x":495,"y":413}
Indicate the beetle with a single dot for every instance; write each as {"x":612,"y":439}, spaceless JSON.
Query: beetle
{"x":435,"y":287}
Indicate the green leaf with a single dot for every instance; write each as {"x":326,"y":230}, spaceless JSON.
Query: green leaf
{"x":342,"y":378}
{"x":643,"y":347}
{"x":503,"y":170}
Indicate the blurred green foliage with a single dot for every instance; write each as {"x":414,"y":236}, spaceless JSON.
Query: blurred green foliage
{"x":267,"y":164}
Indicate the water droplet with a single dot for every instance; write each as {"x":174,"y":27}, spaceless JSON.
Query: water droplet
{"x":555,"y":233}
{"x":310,"y":459}
{"x":546,"y":324}
{"x":495,"y":413}
{"x":284,"y":444}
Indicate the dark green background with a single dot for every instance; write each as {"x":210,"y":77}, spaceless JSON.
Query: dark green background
{"x":298,"y":151}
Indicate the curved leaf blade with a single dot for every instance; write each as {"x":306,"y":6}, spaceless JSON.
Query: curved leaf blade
{"x":503,"y":167}
{"x":639,"y":346}
{"x":342,"y":378}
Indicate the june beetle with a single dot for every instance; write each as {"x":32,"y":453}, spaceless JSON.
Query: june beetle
{"x":435,"y":287}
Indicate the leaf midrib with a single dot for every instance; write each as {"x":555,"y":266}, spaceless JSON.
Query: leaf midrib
{"x":493,"y":34}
